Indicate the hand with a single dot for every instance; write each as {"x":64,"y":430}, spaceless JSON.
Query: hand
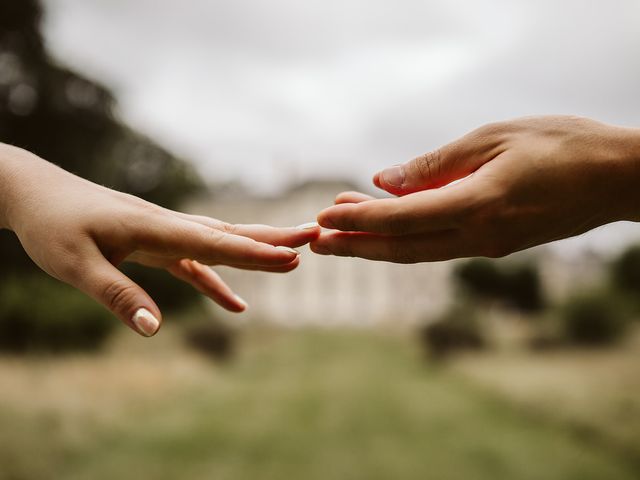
{"x":79,"y":232}
{"x":521,"y":183}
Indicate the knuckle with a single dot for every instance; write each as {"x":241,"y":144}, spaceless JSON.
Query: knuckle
{"x":228,"y":228}
{"x":429,"y":165}
{"x":141,"y":206}
{"x":491,"y":129}
{"x":119,"y":295}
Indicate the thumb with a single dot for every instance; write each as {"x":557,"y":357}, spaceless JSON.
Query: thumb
{"x":434,"y":169}
{"x":127,"y":300}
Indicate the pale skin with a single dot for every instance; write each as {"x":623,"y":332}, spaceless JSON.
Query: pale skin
{"x":80,"y":232}
{"x":522,"y":183}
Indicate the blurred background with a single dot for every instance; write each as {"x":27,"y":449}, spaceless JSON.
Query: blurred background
{"x":260,"y":112}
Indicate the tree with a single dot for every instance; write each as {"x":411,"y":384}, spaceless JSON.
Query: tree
{"x":70,"y":120}
{"x":517,"y":285}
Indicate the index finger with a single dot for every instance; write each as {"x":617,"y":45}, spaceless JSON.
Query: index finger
{"x":425,"y":211}
{"x":288,"y":236}
{"x":178,"y":238}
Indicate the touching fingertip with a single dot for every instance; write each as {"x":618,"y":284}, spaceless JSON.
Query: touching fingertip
{"x":288,"y":249}
{"x":241,"y":301}
{"x":308,"y":226}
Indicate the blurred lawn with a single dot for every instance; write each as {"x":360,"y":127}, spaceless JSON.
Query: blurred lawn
{"x":594,"y":392}
{"x":299,"y":405}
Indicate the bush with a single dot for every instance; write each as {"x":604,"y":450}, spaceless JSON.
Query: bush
{"x":40,"y":314}
{"x":481,"y":278}
{"x":212,"y":339}
{"x":456,"y":330}
{"x":517,"y":286}
{"x":523,"y":288}
{"x":593,"y":319}
{"x":625,"y":273}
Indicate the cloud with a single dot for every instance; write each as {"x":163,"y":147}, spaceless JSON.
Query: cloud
{"x":346,"y":87}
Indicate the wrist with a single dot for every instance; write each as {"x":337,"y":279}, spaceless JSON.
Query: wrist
{"x":15,"y":165}
{"x":627,"y":195}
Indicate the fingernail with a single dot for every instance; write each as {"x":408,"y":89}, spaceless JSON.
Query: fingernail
{"x":241,"y":301}
{"x":308,"y":226}
{"x":288,"y":249}
{"x":146,"y":323}
{"x":393,"y":176}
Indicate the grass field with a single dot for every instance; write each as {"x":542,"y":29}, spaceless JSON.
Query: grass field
{"x":294,"y":405}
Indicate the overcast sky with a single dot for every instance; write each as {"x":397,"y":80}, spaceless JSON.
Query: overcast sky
{"x":266,"y":91}
{"x":258,"y":88}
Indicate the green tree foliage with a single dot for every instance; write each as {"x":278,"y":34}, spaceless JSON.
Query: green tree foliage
{"x":458,"y":329}
{"x":71,"y":120}
{"x":593,"y":318}
{"x":516,"y":285}
{"x":625,"y":272}
{"x":39,"y":314}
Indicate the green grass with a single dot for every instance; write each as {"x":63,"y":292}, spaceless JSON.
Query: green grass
{"x":308,"y":405}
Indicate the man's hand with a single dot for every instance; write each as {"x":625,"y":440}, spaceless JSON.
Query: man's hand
{"x":520,"y":183}
{"x":79,"y":232}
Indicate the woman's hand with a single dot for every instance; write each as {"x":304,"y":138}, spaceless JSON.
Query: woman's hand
{"x":522,"y":183}
{"x":79,"y":232}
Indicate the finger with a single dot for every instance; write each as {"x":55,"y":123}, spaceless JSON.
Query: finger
{"x":405,"y":249}
{"x":290,"y":236}
{"x":419,"y":212}
{"x":177,"y":238}
{"x":128,"y":301}
{"x":352,"y":197}
{"x":287,"y":236}
{"x":208,"y":282}
{"x":277,"y":269}
{"x":444,"y":165}
{"x":376,"y":180}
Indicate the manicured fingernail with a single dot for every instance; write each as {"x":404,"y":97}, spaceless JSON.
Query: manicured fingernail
{"x":308,"y":226}
{"x":241,"y":301}
{"x":146,"y":323}
{"x":393,"y":176}
{"x":288,"y":249}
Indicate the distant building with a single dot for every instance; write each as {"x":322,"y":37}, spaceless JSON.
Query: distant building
{"x":330,"y":291}
{"x":325,"y":290}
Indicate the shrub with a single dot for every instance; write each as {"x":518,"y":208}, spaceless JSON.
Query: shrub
{"x":517,"y":286}
{"x":456,"y":330}
{"x":593,"y":318}
{"x":40,"y":314}
{"x":212,"y":339}
{"x":625,"y":273}
{"x":523,"y":289}
{"x":481,"y":278}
